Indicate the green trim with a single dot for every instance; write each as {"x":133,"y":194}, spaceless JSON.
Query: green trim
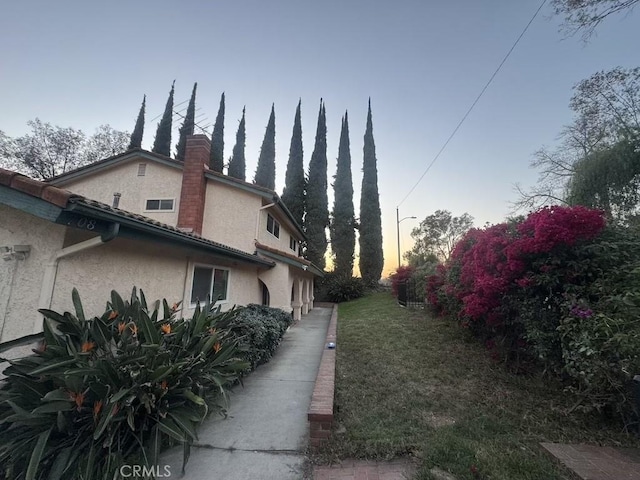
{"x":28,"y":203}
{"x":139,"y":229}
{"x":290,"y":261}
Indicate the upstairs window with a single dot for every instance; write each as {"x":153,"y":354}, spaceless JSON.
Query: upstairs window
{"x":273,"y":227}
{"x":293,"y":244}
{"x":209,"y":281}
{"x":165,"y":205}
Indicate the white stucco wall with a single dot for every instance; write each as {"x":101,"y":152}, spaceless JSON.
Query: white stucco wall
{"x":119,"y":265}
{"x":230,"y":216}
{"x":279,"y":283}
{"x":159,"y":182}
{"x":21,"y":280}
{"x":267,"y":238}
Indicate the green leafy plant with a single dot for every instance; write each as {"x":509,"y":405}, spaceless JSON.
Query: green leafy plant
{"x":340,"y":288}
{"x":112,"y":390}
{"x":259,"y":330}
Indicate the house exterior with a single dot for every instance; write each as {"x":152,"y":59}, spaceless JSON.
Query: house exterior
{"x":173,"y":229}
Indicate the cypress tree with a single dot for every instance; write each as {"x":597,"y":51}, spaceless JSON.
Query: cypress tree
{"x":216,"y":160}
{"x":343,"y":235}
{"x":138,"y":130}
{"x":187,"y":126}
{"x":371,"y":256}
{"x":266,"y":171}
{"x":162,"y":142}
{"x":293,"y":193}
{"x":317,"y":218}
{"x":237,"y":163}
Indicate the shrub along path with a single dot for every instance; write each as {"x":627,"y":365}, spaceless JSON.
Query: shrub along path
{"x":266,"y":433}
{"x":415,"y":387}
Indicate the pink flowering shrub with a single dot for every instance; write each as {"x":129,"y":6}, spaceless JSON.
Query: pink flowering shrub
{"x":538,"y":290}
{"x":402,"y":274}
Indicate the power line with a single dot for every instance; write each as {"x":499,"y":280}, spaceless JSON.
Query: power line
{"x":484,"y":89}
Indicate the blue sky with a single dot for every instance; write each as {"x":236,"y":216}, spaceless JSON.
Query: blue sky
{"x":422,"y":62}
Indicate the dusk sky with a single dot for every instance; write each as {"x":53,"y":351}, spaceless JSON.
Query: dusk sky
{"x":423,"y":62}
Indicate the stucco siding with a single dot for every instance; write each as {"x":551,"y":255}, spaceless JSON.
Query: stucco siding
{"x":230,"y":216}
{"x":119,"y":265}
{"x":267,"y":238}
{"x":21,"y":280}
{"x":158,"y":182}
{"x":279,"y":282}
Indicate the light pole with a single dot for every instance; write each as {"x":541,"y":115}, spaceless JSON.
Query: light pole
{"x":398,"y":220}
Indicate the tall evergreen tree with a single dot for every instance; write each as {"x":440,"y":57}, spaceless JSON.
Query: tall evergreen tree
{"x":371,"y":256}
{"x":343,"y":234}
{"x":216,"y":160}
{"x":162,"y":142}
{"x":293,"y":193}
{"x":138,"y":130}
{"x":266,"y":171}
{"x":317,"y":218}
{"x":237,"y":164}
{"x":188,"y":125}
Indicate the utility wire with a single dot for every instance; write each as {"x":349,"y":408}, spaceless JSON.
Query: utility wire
{"x":484,"y":89}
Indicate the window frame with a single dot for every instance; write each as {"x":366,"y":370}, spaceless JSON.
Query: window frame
{"x":275,"y":231}
{"x":213,"y":269}
{"x":159,"y":209}
{"x":293,"y":244}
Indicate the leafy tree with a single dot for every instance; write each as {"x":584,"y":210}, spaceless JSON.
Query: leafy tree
{"x":49,"y":151}
{"x":138,"y":130}
{"x":343,"y":223}
{"x":293,"y":194}
{"x":162,"y":142}
{"x":586,"y":15}
{"x":607,"y":108}
{"x":266,"y":171}
{"x":371,"y":256}
{"x":317,"y":217}
{"x":187,"y":126}
{"x":237,"y":167}
{"x":609,"y":180}
{"x":216,"y":160}
{"x":436,"y":236}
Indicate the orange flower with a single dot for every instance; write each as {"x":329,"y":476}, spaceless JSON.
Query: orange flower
{"x":121,"y":327}
{"x":78,"y":398}
{"x":97,"y":406}
{"x":212,"y":331}
{"x":164,"y":385}
{"x":174,"y":307}
{"x":166,"y":328}
{"x":134,"y":329}
{"x":113,"y":315}
{"x":217,"y":347}
{"x":88,"y":346}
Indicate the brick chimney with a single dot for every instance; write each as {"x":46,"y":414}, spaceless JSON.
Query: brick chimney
{"x":194,"y":188}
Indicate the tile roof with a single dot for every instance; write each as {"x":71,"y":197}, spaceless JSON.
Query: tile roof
{"x":68,"y":200}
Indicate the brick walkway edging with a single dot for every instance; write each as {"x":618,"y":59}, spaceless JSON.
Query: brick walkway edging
{"x":320,"y":414}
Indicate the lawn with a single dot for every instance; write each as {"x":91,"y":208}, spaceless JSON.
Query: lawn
{"x":410,"y":384}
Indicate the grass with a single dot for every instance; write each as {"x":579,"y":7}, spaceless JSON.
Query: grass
{"x":410,"y":384}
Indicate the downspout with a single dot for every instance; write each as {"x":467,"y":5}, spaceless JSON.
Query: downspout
{"x":51,"y":268}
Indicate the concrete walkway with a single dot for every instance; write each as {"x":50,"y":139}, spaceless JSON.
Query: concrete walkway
{"x":266,"y":432}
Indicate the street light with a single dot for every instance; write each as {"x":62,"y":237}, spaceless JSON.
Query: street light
{"x":398,"y":220}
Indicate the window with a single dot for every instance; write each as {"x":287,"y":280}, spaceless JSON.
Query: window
{"x":142,"y":169}
{"x":293,"y":244}
{"x":159,"y":205}
{"x":273,"y":226}
{"x":209,"y":281}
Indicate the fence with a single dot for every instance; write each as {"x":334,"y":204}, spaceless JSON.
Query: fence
{"x":410,"y":294}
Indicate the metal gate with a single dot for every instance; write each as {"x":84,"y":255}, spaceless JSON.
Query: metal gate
{"x":410,"y":295}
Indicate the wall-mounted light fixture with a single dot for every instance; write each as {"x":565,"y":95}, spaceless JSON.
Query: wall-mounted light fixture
{"x":15,"y":252}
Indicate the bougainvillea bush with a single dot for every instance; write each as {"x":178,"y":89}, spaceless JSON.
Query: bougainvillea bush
{"x":108,"y":391}
{"x":401,"y":275}
{"x":558,"y":291}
